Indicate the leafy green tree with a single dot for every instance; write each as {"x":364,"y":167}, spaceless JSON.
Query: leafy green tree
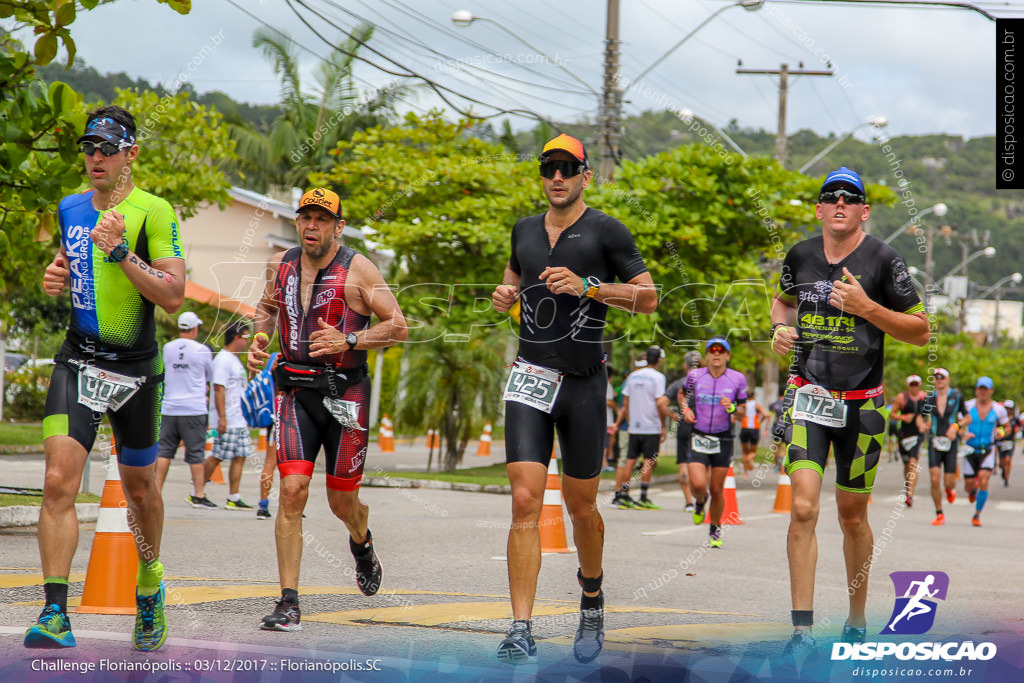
{"x":445,"y":202}
{"x":312,"y":121}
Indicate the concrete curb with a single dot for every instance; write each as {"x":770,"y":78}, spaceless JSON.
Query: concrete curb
{"x":401,"y":483}
{"x":28,"y":515}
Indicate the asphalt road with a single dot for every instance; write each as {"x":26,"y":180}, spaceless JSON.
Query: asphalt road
{"x":673,"y":604}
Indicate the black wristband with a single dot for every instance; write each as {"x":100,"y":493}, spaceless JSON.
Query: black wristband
{"x":771,"y":335}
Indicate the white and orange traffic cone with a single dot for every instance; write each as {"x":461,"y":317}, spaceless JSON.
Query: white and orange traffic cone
{"x":217,"y":477}
{"x":261,"y":442}
{"x":552,"y":523}
{"x":484,"y":449}
{"x":731,"y":512}
{"x":784,"y":494}
{"x":386,"y":438}
{"x":113,"y":561}
{"x":433,"y":438}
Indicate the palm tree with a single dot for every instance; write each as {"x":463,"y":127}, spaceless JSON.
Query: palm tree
{"x":455,"y":385}
{"x":312,"y":121}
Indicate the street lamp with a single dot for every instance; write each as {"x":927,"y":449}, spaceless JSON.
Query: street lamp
{"x":1015,"y":278}
{"x":876,"y":121}
{"x":463,"y":18}
{"x":749,"y":5}
{"x":939,"y":210}
{"x":988,"y":252}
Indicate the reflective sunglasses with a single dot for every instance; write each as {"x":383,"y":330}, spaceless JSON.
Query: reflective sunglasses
{"x":107,"y":149}
{"x":834,"y":196}
{"x":568,"y":169}
{"x":717,"y":349}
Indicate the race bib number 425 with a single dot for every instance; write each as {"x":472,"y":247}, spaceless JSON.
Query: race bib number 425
{"x":813,"y":403}
{"x":533,"y":385}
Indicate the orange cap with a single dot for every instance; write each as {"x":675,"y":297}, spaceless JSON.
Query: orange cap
{"x":322,"y":197}
{"x":567,"y":143}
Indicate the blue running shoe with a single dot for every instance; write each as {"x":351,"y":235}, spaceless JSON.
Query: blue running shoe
{"x":150,"y":622}
{"x":53,"y":630}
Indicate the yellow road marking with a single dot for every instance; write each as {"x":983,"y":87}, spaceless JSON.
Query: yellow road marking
{"x":21,"y":580}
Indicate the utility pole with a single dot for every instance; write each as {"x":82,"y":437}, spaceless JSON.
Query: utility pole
{"x":611,"y":101}
{"x":783,"y":73}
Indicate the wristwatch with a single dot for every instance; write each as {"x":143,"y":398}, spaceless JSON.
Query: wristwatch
{"x":118,"y":253}
{"x":590,"y":286}
{"x":352,"y":340}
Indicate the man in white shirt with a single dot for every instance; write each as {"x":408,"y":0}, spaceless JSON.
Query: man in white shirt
{"x":231,"y":441}
{"x":646,"y":428}
{"x":188,"y":369}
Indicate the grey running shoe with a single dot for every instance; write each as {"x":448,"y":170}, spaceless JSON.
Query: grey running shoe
{"x":590,"y":634}
{"x":799,"y":645}
{"x":518,"y":646}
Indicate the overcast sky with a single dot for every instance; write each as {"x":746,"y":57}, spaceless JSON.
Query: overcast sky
{"x":926,"y":70}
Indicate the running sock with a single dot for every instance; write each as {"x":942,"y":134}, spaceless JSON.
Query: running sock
{"x":624,"y":489}
{"x":149,"y":576}
{"x":980,"y":503}
{"x":938,"y":512}
{"x":590,"y":586}
{"x":714,"y":528}
{"x":361,"y":549}
{"x":643,"y":490}
{"x":234,"y":497}
{"x":803,"y":617}
{"x":264,"y":503}
{"x":290,"y":595}
{"x":56,"y":589}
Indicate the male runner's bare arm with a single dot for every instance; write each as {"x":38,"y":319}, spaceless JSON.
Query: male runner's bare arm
{"x":266,"y":318}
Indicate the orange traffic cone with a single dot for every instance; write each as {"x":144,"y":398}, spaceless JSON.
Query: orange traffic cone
{"x":261,"y":443}
{"x":217,"y":477}
{"x":433,"y":438}
{"x":552,"y":523}
{"x":485,"y":441}
{"x":386,"y":438}
{"x":783,"y":495}
{"x":731,"y":512}
{"x":113,"y":561}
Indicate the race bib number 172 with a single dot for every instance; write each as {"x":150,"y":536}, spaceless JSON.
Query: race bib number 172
{"x":813,"y":403}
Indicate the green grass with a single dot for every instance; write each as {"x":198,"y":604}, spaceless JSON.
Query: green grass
{"x":21,"y":434}
{"x":495,"y":474}
{"x":7,"y":500}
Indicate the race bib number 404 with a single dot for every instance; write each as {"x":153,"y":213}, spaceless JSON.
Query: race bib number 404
{"x":100,"y":389}
{"x":533,"y":385}
{"x":813,"y":403}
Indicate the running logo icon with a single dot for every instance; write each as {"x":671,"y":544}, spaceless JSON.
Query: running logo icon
{"x":914,"y":611}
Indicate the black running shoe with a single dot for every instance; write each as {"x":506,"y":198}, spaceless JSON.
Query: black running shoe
{"x":263,"y":513}
{"x":590,"y":634}
{"x":368,"y":570}
{"x":286,"y":617}
{"x":852,"y":634}
{"x":518,"y":646}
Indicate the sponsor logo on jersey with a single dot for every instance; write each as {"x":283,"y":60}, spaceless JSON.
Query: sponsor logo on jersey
{"x":291,"y":307}
{"x":79,"y":250}
{"x":324,"y":297}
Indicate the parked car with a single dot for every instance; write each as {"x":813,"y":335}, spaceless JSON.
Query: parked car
{"x":13,"y":361}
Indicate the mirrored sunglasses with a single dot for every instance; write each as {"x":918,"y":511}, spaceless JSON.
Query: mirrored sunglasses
{"x":717,"y":349}
{"x":107,"y":149}
{"x":834,"y":196}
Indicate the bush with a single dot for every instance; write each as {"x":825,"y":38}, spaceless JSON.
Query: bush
{"x":25,"y":393}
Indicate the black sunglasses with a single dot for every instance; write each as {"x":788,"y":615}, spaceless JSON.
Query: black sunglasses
{"x":568,"y":169}
{"x":834,"y":196}
{"x":107,"y":149}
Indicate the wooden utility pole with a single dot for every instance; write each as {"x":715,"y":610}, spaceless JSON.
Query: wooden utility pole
{"x":611,"y":101}
{"x":783,"y":73}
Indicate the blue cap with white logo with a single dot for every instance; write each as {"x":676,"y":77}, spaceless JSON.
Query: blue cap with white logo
{"x":843,"y":176}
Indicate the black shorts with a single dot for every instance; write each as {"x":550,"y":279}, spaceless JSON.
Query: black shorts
{"x":980,"y":459}
{"x":683,"y":431}
{"x":856,"y":446}
{"x":944,"y":459}
{"x":303,"y":424}
{"x":1004,"y":448}
{"x":913,"y":451}
{"x":646,"y":444}
{"x":750,"y":436}
{"x":723,"y":458}
{"x":191,"y":429}
{"x":579,"y":415}
{"x":136,"y":424}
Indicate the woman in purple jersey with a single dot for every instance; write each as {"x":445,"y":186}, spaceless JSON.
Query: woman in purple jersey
{"x":719,"y":395}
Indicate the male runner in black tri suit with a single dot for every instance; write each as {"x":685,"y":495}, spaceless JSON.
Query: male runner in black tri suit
{"x":840,"y":293}
{"x":562,"y":270}
{"x":943,"y":407}
{"x":908,"y":411}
